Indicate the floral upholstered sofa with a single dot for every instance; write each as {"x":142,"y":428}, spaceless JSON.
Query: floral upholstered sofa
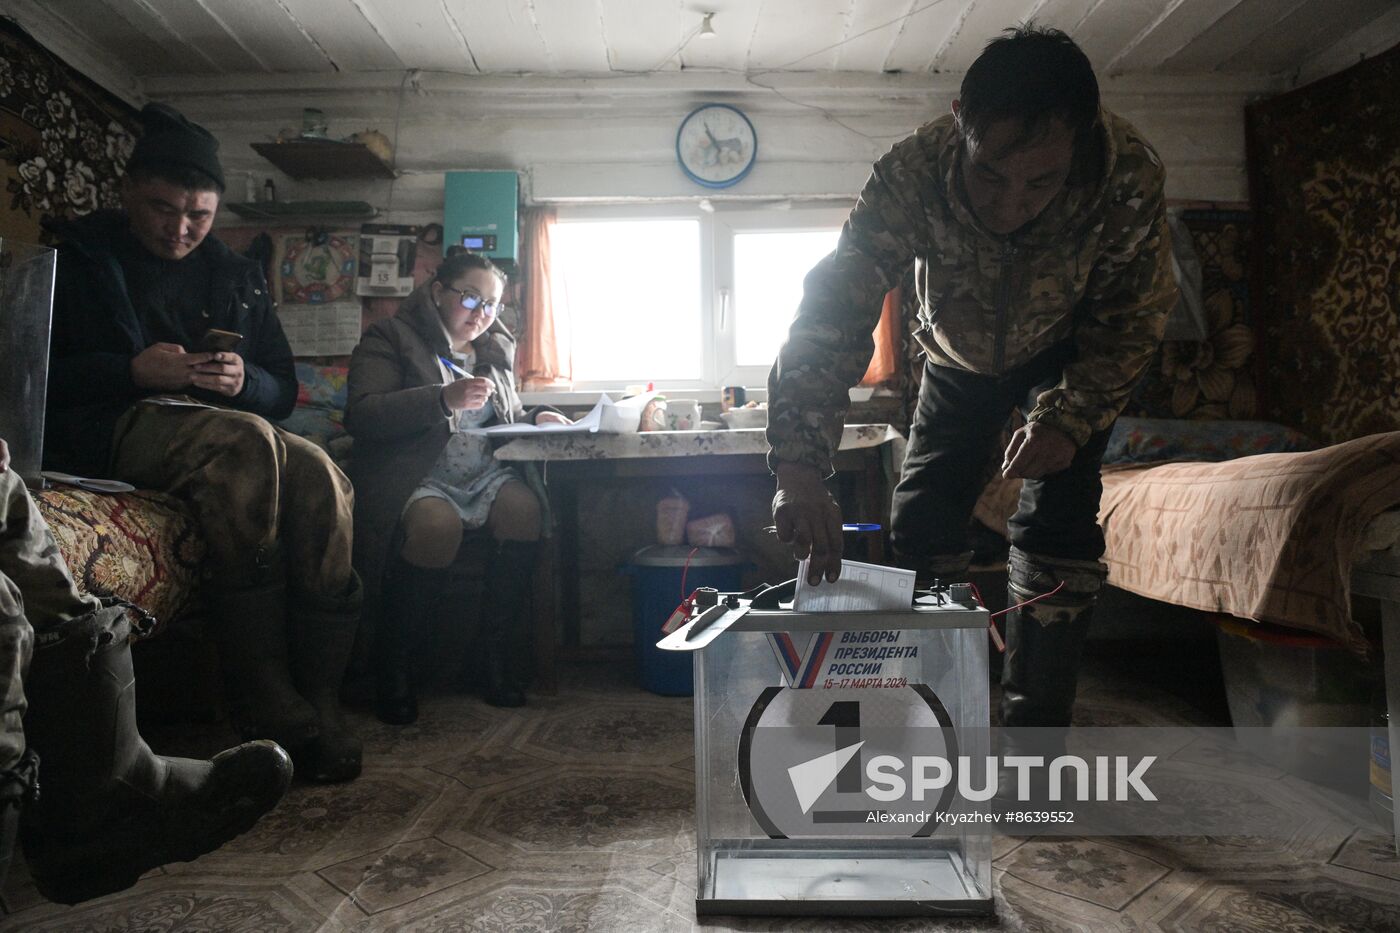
{"x":144,"y":546}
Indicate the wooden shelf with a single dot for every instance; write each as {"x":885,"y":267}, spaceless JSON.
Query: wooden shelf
{"x":297,"y":210}
{"x":324,"y":158}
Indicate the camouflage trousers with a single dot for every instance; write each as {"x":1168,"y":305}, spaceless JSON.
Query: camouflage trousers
{"x":258,"y":493}
{"x":35,"y":588}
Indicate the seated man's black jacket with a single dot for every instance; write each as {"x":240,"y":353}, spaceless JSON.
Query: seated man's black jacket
{"x":96,"y":332}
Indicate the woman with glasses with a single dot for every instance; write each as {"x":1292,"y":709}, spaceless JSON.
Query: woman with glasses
{"x":418,"y":382}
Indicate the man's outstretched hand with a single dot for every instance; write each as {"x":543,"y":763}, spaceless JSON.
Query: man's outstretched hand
{"x":1037,"y":450}
{"x":808,"y":519}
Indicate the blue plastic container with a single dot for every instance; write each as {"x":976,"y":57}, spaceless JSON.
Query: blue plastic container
{"x":656,"y":591}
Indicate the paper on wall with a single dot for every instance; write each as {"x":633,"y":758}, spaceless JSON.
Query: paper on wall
{"x":321,"y":330}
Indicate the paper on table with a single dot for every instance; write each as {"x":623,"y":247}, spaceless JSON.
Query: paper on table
{"x":88,"y":483}
{"x":175,"y":401}
{"x":607,"y":417}
{"x":588,"y":424}
{"x":861,"y":588}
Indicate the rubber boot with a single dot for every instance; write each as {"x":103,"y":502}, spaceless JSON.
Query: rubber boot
{"x":322,"y":640}
{"x":249,"y":628}
{"x":18,"y":788}
{"x":1039,"y":678}
{"x":1040,"y":670}
{"x":501,"y":657}
{"x":410,"y":597}
{"x":111,"y":810}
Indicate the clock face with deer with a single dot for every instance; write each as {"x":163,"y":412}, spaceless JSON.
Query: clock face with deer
{"x":716,"y":145}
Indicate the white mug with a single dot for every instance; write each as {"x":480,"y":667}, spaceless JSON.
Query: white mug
{"x":683,"y":414}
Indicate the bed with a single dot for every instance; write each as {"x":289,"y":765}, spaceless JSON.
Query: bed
{"x":1272,"y":537}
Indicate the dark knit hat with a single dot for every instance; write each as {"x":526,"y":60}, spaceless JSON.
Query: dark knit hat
{"x":169,"y":140}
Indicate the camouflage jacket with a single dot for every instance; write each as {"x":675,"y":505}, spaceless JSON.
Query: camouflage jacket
{"x":1094,"y":267}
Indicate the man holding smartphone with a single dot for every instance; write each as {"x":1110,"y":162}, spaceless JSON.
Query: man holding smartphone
{"x":166,"y":362}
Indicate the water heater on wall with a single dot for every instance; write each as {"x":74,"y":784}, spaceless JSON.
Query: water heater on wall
{"x":479,"y":212}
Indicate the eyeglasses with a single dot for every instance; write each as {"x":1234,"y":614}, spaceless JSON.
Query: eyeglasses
{"x":475,"y":301}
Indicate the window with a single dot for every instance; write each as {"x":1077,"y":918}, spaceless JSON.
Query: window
{"x":680,"y":297}
{"x":632,"y":289}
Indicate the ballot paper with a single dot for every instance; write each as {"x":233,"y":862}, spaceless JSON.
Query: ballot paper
{"x":861,"y":588}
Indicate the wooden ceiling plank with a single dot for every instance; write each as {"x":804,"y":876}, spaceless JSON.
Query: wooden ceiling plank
{"x":1112,"y":27}
{"x":501,"y":35}
{"x":1066,"y":15}
{"x":194,"y":24}
{"x":797,"y":35}
{"x":728,"y":49}
{"x":134,"y":34}
{"x":423,"y":34}
{"x":1169,"y":34}
{"x":340,"y":28}
{"x":573,"y":33}
{"x":269,"y":34}
{"x":1308,"y":30}
{"x":925,"y":31}
{"x":872,"y":29}
{"x":983,"y":23}
{"x":1227,"y":35}
{"x":639,"y":33}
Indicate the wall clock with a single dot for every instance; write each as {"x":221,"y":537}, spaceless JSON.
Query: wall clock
{"x":716,"y":145}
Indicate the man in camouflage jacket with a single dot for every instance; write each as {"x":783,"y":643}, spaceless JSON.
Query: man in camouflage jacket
{"x":1034,"y":222}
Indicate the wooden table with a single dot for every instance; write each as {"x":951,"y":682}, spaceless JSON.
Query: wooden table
{"x":874,"y":452}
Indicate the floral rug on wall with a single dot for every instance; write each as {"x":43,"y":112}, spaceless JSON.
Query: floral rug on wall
{"x":63,"y":140}
{"x":1324,"y":167}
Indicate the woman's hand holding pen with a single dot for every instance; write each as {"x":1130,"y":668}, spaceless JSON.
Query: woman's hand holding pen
{"x":468,"y":394}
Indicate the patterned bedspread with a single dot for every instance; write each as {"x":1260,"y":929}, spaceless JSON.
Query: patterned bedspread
{"x":1270,"y":537}
{"x":141,"y":546}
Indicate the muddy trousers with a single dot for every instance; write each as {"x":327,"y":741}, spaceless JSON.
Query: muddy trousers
{"x":283,"y":599}
{"x":1055,"y":536}
{"x":111,"y":809}
{"x":34,"y":583}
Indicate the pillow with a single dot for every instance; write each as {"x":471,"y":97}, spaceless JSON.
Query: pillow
{"x":320,"y":412}
{"x":1154,"y":440}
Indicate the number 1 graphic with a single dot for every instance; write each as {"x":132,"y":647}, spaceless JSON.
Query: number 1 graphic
{"x":845,"y":716}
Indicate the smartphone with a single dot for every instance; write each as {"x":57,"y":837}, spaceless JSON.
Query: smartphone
{"x":218,"y":341}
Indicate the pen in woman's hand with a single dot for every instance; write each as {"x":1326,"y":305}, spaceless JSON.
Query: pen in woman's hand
{"x":848,"y":526}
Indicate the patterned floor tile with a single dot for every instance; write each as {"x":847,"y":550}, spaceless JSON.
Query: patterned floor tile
{"x":1085,"y":869}
{"x":1304,"y":904}
{"x":596,"y":809}
{"x":492,"y":764}
{"x":188,"y":905}
{"x":1371,"y":852}
{"x":659,"y":730}
{"x":542,"y":905}
{"x":402,"y":873}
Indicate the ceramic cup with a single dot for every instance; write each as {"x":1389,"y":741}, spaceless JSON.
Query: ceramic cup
{"x":683,"y":414}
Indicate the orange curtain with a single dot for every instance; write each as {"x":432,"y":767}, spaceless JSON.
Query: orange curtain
{"x":883,"y":368}
{"x":542,"y":358}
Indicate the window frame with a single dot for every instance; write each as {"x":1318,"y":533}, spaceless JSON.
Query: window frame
{"x":717,"y":229}
{"x":726,"y":226}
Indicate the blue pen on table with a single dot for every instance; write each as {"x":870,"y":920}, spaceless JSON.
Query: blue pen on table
{"x":848,"y":526}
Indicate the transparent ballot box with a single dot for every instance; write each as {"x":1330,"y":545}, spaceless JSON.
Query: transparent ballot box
{"x":818,"y":737}
{"x":26,"y":308}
